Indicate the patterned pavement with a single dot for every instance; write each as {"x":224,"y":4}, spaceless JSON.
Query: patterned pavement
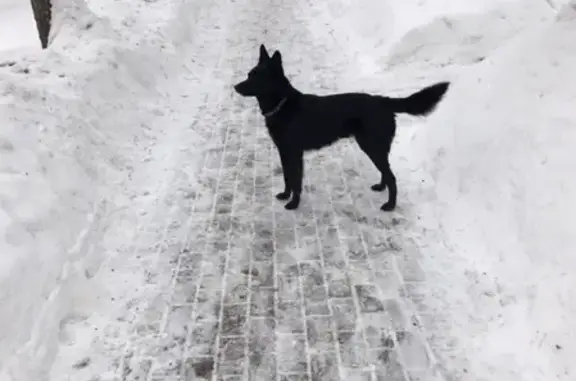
{"x":250,"y":291}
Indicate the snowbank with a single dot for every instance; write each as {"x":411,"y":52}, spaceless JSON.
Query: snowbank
{"x":408,"y":44}
{"x":76,"y":120}
{"x":498,"y":160}
{"x":377,"y":25}
{"x":463,"y":38}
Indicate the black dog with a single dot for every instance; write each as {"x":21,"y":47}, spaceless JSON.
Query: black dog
{"x":300,"y":122}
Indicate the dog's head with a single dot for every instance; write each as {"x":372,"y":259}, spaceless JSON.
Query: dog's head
{"x":265,"y":77}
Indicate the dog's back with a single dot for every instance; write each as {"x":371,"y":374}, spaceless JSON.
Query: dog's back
{"x":317,"y":121}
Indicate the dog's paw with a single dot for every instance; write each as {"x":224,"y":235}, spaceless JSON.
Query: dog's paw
{"x":292,"y":205}
{"x":283,"y":196}
{"x":378,"y":187}
{"x":388,"y":207}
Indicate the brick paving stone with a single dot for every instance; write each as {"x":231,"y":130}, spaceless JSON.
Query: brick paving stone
{"x":396,"y":314}
{"x":291,"y":354}
{"x":207,"y":310}
{"x":335,"y":262}
{"x":230,"y":378}
{"x":338,"y":285}
{"x":417,"y":294}
{"x":262,"y":302}
{"x":151,"y":318}
{"x":232,"y":356}
{"x":324,"y":366}
{"x":232,"y":367}
{"x":136,"y":369}
{"x":203,"y":338}
{"x":210,"y":288}
{"x":290,"y":269}
{"x":410,"y":268}
{"x":234,"y":320}
{"x":353,"y":349}
{"x":344,"y":314}
{"x":430,"y":374}
{"x":389,"y":284}
{"x":313,"y":286}
{"x":289,"y":317}
{"x":378,"y":330}
{"x":320,"y":334}
{"x":284,"y":222}
{"x":389,"y":368}
{"x":236,"y":292}
{"x":263,"y":274}
{"x":178,"y":321}
{"x":284,"y":239}
{"x":238,"y":269}
{"x":413,"y":351}
{"x":263,"y":249}
{"x":307,"y":230}
{"x":164,"y":370}
{"x":354,"y":249}
{"x":264,"y":231}
{"x":316,"y":308}
{"x":294,"y":377}
{"x":360,"y":272}
{"x":289,"y":289}
{"x":261,"y":348}
{"x":368,"y":298}
{"x":357,"y":374}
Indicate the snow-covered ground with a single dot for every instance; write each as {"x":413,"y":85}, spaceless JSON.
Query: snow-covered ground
{"x":137,"y":220}
{"x":497,"y":162}
{"x":80,"y":126}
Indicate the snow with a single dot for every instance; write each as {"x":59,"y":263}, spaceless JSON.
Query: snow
{"x":78,"y":119}
{"x":496,"y":159}
{"x":101,"y":150}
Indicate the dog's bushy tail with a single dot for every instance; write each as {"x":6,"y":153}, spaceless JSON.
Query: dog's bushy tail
{"x":421,"y":103}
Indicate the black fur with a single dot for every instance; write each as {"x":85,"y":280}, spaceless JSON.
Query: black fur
{"x":300,"y":122}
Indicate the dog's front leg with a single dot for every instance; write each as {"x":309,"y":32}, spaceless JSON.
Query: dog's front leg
{"x":285,"y":195}
{"x":295,"y":174}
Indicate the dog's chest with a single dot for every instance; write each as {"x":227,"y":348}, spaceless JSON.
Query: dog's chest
{"x":274,"y":132}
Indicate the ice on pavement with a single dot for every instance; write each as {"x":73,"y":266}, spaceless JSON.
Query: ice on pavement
{"x":139,"y":234}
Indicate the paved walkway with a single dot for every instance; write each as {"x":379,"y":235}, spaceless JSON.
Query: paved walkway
{"x":250,"y":291}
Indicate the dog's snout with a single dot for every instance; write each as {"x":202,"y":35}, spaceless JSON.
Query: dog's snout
{"x":240,"y":88}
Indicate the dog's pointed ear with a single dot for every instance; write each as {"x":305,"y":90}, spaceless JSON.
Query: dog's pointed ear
{"x":263,"y":53}
{"x":277,"y":59}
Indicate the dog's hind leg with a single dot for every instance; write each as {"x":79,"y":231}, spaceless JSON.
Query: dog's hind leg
{"x":380,"y":186}
{"x":295,"y":174}
{"x":379,"y":156}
